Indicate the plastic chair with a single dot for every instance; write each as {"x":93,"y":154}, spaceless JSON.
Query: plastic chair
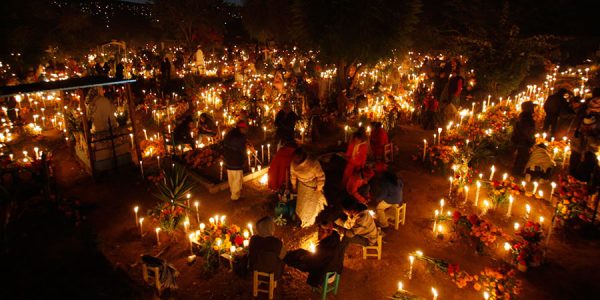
{"x":330,"y":284}
{"x":271,"y":283}
{"x":376,"y":247}
{"x":400,"y":216}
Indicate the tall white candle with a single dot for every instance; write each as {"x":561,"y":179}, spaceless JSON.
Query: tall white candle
{"x":466,"y":193}
{"x":510,"y":203}
{"x":141,"y":221}
{"x":424,"y":148}
{"x":477,"y":192}
{"x":135,"y":211}
{"x":492,"y":173}
{"x":157,"y":229}
{"x":435,"y":218}
{"x":411,"y":259}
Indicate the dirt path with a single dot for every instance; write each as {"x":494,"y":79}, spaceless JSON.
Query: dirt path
{"x":571,"y":272}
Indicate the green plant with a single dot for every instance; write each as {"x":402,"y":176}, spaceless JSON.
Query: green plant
{"x":172,"y":193}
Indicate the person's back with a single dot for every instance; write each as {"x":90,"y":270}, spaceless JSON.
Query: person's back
{"x":524,"y":130}
{"x":234,"y":145}
{"x":264,"y":255}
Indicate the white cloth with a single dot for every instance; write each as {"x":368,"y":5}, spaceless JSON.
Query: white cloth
{"x":102,"y":110}
{"x":382,"y":218}
{"x":235,"y":178}
{"x":310,"y":180}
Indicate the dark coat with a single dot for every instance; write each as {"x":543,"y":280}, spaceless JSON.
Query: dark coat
{"x":285,"y":124}
{"x":234,"y":149}
{"x":383,"y":189}
{"x":554,"y":104}
{"x":263,"y":255}
{"x":524,"y":130}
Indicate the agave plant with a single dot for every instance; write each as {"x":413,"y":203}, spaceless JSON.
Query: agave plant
{"x":172,"y":192}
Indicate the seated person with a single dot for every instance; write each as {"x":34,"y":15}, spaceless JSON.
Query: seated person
{"x":358,"y":185}
{"x":182,"y":133}
{"x":206,"y":125}
{"x":540,"y":162}
{"x":328,"y":256}
{"x":266,"y":252}
{"x":359,"y":227}
{"x":386,"y":190}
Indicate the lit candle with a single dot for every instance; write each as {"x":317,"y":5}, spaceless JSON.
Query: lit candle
{"x":232,"y":249}
{"x":135,"y":211}
{"x":262,"y":153}
{"x":466,"y":193}
{"x":535,"y":186}
{"x":346,"y":133}
{"x":516,"y":226}
{"x":246,"y":243}
{"x":202,"y":226}
{"x":486,"y":295}
{"x":424,"y":148}
{"x":400,"y":286}
{"x":510,"y":203}
{"x":212,"y":221}
{"x":437,"y":212}
{"x":439,"y":135}
{"x":142,"y":168}
{"x":197,"y":215}
{"x":249,"y":163}
{"x":565,"y":151}
{"x":527,"y":211}
{"x":158,"y":160}
{"x":435,"y":293}
{"x":37,"y":152}
{"x":191,"y":236}
{"x":411,"y":259}
{"x":540,"y":194}
{"x":222,"y":219}
{"x":504,"y":176}
{"x":145,"y":134}
{"x":221,"y":171}
{"x":265,"y":132}
{"x":477,"y":192}
{"x":553,"y":184}
{"x":442,"y":206}
{"x":251,"y":230}
{"x":492,"y":173}
{"x":450,"y":190}
{"x":268,"y":152}
{"x":157,"y":236}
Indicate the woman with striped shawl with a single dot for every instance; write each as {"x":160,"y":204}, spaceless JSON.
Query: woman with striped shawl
{"x":308,"y":180}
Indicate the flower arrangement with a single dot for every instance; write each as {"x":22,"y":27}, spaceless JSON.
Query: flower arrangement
{"x":439,"y":156}
{"x":152,"y":147}
{"x":482,"y":232}
{"x":526,"y":250}
{"x":219,"y":238}
{"x":500,"y":190}
{"x":204,"y":157}
{"x":499,"y":283}
{"x":573,"y":204}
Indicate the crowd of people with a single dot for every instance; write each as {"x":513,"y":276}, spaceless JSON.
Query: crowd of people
{"x":566,"y":116}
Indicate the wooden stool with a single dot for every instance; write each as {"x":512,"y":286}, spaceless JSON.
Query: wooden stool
{"x":388,"y":152}
{"x":330,"y":284}
{"x":400,"y":216}
{"x":271,"y":284}
{"x":377,"y":247}
{"x":148,"y":272}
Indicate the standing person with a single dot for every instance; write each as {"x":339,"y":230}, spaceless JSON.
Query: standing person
{"x":431,"y":105}
{"x":455,"y":87}
{"x":285,"y":122}
{"x":522,"y":137}
{"x":379,"y":138}
{"x":265,"y":251}
{"x":552,"y":108}
{"x":359,"y":227}
{"x":386,"y":188}
{"x":308,"y":180}
{"x":356,"y":154}
{"x":279,"y":168}
{"x":165,"y":74}
{"x":234,"y":153}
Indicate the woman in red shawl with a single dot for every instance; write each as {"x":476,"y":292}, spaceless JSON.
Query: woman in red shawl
{"x":356,"y":154}
{"x":379,"y":138}
{"x":279,"y":170}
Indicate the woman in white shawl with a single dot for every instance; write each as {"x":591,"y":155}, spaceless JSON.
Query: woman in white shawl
{"x":308,"y":180}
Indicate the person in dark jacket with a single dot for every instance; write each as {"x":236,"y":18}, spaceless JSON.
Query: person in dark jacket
{"x":266,"y":252}
{"x":327,"y":257}
{"x":523,"y":137}
{"x":181,"y":134}
{"x":552,"y":108}
{"x":285,"y":122}
{"x":386,"y":189}
{"x":234,"y":154}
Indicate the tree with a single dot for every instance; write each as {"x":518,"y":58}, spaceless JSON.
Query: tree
{"x":501,"y":56}
{"x":354,"y":33}
{"x":191,"y":21}
{"x":268,"y":19}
